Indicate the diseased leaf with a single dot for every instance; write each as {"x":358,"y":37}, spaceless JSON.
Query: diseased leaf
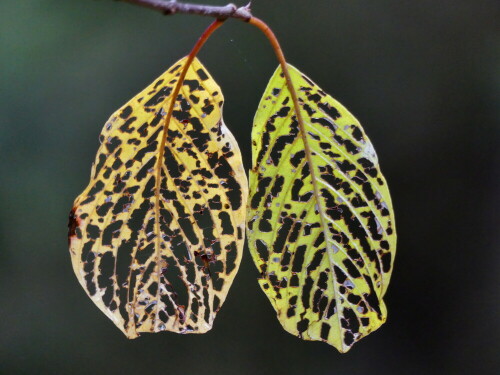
{"x":173,"y":275}
{"x":320,"y":219}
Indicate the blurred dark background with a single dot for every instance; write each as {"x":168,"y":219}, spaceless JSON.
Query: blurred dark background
{"x":422,"y":76}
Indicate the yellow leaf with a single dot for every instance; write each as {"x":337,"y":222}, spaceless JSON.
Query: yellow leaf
{"x":173,"y":275}
{"x":320,"y":220}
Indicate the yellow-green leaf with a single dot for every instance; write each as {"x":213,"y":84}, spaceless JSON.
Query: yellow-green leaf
{"x":174,"y":274}
{"x":320,"y":220}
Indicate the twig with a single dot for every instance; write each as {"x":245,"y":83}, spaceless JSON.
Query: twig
{"x":173,"y":7}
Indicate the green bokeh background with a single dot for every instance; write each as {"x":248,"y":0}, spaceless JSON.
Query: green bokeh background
{"x":422,"y":76}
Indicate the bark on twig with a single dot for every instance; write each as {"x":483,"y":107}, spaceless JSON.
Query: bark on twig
{"x":173,"y":7}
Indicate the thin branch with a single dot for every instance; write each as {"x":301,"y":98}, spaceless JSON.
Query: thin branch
{"x":173,"y":7}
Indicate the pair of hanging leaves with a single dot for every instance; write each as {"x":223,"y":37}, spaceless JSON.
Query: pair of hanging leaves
{"x":156,"y":238}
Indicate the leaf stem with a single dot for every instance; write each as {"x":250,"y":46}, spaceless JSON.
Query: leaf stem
{"x":266,"y":30}
{"x":261,"y":25}
{"x":201,"y":41}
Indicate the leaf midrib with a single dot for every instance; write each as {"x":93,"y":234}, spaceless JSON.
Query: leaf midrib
{"x":308,"y":154}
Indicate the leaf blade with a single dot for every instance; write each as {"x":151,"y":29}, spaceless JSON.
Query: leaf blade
{"x":312,"y":204}
{"x":176,"y":279}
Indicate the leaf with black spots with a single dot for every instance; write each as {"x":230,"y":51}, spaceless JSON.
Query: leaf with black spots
{"x":320,"y":220}
{"x":156,"y":238}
